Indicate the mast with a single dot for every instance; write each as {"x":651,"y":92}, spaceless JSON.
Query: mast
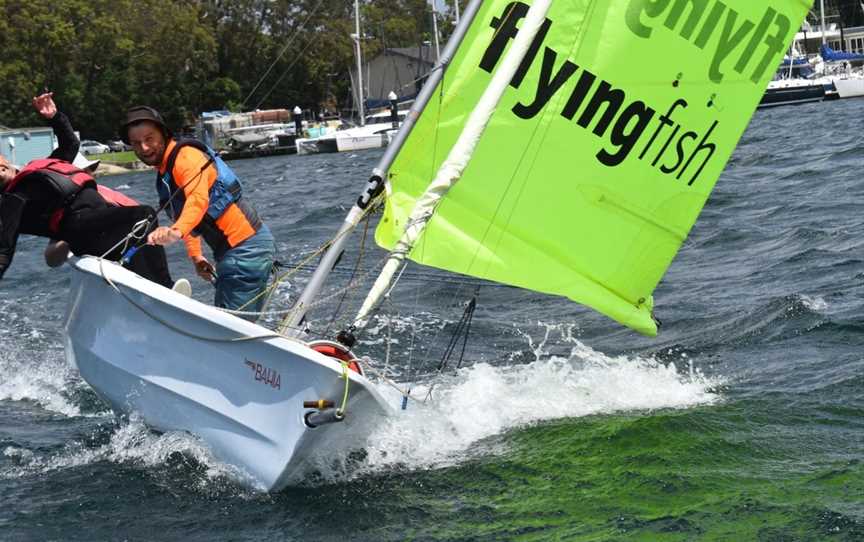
{"x":457,"y":160}
{"x":376,"y":182}
{"x":435,"y":31}
{"x":456,"y":5}
{"x":822,"y":15}
{"x":357,"y":54}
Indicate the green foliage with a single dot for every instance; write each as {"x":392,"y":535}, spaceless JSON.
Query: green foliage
{"x":124,"y":157}
{"x":100,"y":57}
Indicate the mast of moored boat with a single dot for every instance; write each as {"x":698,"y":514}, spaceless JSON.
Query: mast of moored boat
{"x":358,"y":55}
{"x":435,"y":31}
{"x":822,"y":22}
{"x":375,"y":185}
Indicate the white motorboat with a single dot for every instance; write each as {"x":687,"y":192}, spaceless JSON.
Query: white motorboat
{"x":851,"y":86}
{"x":186,"y":366}
{"x":376,"y":133}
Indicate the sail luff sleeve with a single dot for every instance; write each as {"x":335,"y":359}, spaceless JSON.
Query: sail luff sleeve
{"x":460,"y":154}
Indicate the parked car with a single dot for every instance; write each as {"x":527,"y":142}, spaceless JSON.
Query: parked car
{"x":89,"y":146}
{"x":118,"y":146}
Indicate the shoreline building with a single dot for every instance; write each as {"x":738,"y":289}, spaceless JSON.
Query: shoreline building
{"x":402,"y":70}
{"x":21,"y":145}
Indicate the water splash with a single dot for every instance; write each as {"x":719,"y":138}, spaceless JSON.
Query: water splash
{"x":48,"y":382}
{"x":814,"y":303}
{"x":131,"y":443}
{"x":484,"y":400}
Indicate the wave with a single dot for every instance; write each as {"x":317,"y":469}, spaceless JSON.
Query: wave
{"x":483,"y":401}
{"x":49,"y":382}
{"x":775,"y":319}
{"x":133,"y":443}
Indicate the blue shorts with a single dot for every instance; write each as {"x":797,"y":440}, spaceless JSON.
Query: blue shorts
{"x":243,"y":273}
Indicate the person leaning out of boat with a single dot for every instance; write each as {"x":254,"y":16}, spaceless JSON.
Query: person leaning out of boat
{"x":204,"y":198}
{"x":52,"y":198}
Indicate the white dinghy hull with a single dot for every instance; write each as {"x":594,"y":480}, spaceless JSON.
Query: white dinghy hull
{"x":149,"y":350}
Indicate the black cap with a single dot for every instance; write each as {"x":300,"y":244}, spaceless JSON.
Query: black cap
{"x":141,"y":113}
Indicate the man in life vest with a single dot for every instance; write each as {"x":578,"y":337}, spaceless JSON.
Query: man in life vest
{"x":52,"y":198}
{"x":204,"y":198}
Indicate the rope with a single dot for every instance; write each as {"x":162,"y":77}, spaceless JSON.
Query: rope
{"x":147,"y":222}
{"x":360,"y":253}
{"x":341,"y":410}
{"x":172,"y":326}
{"x":387,"y":380}
{"x":369,"y":209}
{"x":464,"y":324}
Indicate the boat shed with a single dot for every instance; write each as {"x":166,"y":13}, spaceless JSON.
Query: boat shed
{"x":20,"y":145}
{"x":401,"y":70}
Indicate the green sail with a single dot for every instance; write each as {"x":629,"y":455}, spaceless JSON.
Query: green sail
{"x":601,"y":153}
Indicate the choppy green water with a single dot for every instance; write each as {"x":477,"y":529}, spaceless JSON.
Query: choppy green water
{"x":744,"y":420}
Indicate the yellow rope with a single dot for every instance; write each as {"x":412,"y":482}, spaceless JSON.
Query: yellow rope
{"x":341,"y":410}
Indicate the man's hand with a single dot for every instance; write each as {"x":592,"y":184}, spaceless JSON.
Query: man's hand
{"x":204,"y":268}
{"x":164,"y":236}
{"x":44,"y":104}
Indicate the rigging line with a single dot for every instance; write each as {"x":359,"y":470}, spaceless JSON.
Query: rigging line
{"x":282,"y":52}
{"x":389,"y":381}
{"x":271,"y":335}
{"x":149,"y":221}
{"x":464,"y":324}
{"x":389,"y":343}
{"x":295,"y":61}
{"x":435,"y":148}
{"x":386,"y":297}
{"x":320,"y":250}
{"x":133,"y":234}
{"x":360,"y":253}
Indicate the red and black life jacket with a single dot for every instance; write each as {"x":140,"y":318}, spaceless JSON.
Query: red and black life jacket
{"x":67,"y":181}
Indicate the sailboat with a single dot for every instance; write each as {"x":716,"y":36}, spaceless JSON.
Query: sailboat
{"x":372,"y":132}
{"x":834,"y":68}
{"x":548,"y":150}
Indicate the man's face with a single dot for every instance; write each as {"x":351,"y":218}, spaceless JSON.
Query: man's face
{"x":148,"y":142}
{"x":7,"y":172}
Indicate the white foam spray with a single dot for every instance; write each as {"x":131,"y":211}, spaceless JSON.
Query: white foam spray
{"x":131,"y":443}
{"x":485,"y":400}
{"x":466,"y":407}
{"x":47,"y":381}
{"x":814,"y":303}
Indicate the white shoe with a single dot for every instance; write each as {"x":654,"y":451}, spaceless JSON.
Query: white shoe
{"x":182,"y":286}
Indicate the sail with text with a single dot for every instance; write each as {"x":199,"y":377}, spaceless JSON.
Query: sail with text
{"x":601,"y":151}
